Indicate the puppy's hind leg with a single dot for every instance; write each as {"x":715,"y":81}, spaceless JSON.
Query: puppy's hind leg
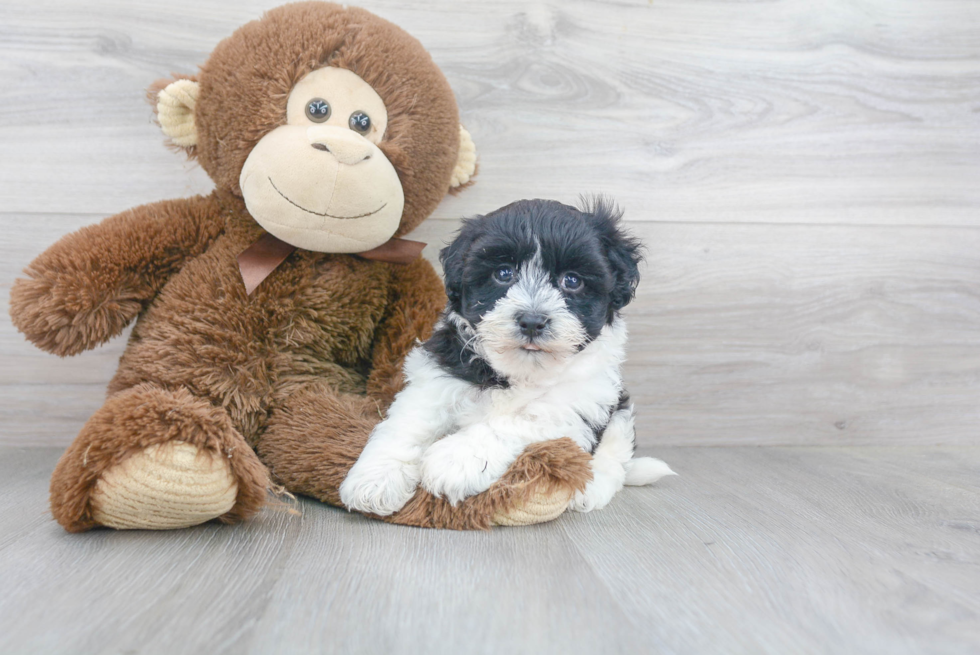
{"x":613,"y":465}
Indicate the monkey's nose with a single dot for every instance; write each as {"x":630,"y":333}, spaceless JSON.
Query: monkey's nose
{"x":346,"y":146}
{"x":532,"y":324}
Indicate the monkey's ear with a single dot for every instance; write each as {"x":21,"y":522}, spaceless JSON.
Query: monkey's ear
{"x":175,"y":104}
{"x":465,"y":161}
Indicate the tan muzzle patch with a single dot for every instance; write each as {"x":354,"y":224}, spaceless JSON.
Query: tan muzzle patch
{"x":322,"y":188}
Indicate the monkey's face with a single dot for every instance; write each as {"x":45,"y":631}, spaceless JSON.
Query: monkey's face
{"x":334,"y":125}
{"x":320,"y":182}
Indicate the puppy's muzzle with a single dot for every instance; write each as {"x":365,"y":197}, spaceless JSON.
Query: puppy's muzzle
{"x":532,"y":324}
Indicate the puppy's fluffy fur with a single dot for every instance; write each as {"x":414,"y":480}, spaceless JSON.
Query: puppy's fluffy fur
{"x":528,"y":349}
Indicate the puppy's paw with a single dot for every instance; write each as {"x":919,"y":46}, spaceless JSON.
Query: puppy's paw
{"x":590,"y":499}
{"x":595,"y":496}
{"x":608,"y":476}
{"x":453,"y":469}
{"x":379,"y":485}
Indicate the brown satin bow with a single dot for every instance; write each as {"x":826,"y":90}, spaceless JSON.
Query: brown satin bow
{"x":262,"y":257}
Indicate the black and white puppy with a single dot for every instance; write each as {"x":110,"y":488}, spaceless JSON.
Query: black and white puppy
{"x":529,"y":349}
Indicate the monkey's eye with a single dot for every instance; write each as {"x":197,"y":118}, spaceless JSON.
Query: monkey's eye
{"x":360,"y":122}
{"x":317,"y":110}
{"x":571,"y":282}
{"x":504,"y":274}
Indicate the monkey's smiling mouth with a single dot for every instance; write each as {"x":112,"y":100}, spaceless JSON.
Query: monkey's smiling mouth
{"x":310,"y":211}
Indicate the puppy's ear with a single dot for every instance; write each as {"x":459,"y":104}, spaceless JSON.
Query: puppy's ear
{"x":625,"y":255}
{"x":453,"y":258}
{"x":623,"y":250}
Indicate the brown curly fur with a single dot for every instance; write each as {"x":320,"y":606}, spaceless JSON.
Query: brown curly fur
{"x":301,"y":369}
{"x":140,"y":417}
{"x":264,"y":59}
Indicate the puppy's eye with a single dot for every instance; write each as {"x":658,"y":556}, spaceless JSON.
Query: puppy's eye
{"x":504,"y":274}
{"x":317,"y":110}
{"x":571,"y":282}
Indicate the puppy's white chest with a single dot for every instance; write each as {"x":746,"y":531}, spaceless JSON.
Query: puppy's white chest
{"x":530,"y":404}
{"x":560,"y":408}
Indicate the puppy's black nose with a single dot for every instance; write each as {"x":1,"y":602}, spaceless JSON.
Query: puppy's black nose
{"x":532,"y":324}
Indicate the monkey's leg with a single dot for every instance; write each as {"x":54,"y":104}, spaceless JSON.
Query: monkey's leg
{"x":314,"y":437}
{"x":156,"y":459}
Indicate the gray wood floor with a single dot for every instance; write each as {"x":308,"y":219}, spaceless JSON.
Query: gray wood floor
{"x":749,"y":550}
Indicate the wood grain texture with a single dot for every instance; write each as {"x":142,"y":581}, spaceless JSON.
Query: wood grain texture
{"x":789,"y":111}
{"x":797,"y":550}
{"x":804,"y":175}
{"x":750,"y":550}
{"x":740,"y":334}
{"x":807,"y":334}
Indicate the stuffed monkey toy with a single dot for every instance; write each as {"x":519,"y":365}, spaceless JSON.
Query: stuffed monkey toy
{"x":273,"y":315}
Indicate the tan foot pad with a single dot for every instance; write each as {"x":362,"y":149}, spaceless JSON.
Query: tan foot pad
{"x":166,"y":486}
{"x":540,"y":508}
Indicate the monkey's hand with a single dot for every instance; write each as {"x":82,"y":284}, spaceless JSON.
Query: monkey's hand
{"x":89,"y":285}
{"x":60,"y":314}
{"x":416,"y":299}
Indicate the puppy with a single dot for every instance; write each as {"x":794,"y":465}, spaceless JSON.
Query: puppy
{"x":528,"y":349}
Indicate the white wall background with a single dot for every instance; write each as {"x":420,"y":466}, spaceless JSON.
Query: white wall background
{"x":805,"y":174}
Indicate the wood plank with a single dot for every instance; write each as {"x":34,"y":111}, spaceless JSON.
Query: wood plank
{"x":740,"y":334}
{"x":357,"y":586}
{"x":795,"y":550}
{"x":138,"y":591}
{"x":755,"y":550}
{"x":807,"y":335}
{"x":747,"y":112}
{"x":24,"y":497}
{"x":945,"y":465}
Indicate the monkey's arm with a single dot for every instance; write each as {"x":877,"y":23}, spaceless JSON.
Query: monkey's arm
{"x":417,"y":298}
{"x":89,"y":285}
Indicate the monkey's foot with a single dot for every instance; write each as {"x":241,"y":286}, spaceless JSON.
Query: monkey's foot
{"x":156,"y":458}
{"x":540,"y":507}
{"x":536,"y":488}
{"x":163,"y":487}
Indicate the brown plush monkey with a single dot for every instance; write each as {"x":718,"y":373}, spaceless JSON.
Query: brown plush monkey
{"x":327,"y":131}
